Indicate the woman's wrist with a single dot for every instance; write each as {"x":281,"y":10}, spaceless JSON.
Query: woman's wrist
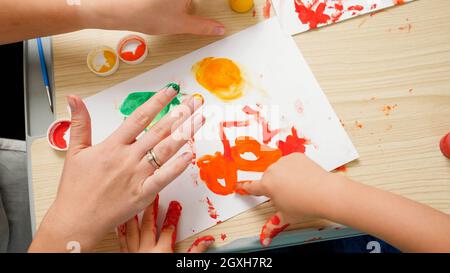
{"x":59,"y":233}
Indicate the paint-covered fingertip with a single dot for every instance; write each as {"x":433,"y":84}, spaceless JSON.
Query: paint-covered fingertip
{"x":265,"y":242}
{"x":174,"y":86}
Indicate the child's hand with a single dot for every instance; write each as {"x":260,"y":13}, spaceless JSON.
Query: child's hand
{"x":151,"y":17}
{"x":298,"y":187}
{"x":135,"y":238}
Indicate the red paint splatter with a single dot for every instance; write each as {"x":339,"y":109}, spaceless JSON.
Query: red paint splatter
{"x":219,"y":222}
{"x":211,"y":209}
{"x":293,"y":144}
{"x":172,"y":218}
{"x":201,"y":240}
{"x":270,"y":230}
{"x":374,"y":6}
{"x":223,"y":236}
{"x":342,"y":168}
{"x":268,"y":134}
{"x":307,"y":15}
{"x":398,"y":2}
{"x":57,"y":132}
{"x":356,"y":7}
{"x":266,"y":9}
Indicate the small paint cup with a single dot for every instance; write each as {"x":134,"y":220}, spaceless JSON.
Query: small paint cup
{"x":132,"y":49}
{"x":445,"y":145}
{"x":58,"y":134}
{"x":103,"y":61}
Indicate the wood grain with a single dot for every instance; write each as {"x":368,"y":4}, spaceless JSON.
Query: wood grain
{"x":362,"y":65}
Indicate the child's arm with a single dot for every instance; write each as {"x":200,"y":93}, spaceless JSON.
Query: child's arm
{"x":309,"y":191}
{"x":25,"y":19}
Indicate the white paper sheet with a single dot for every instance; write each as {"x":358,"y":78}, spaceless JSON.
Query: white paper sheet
{"x":291,"y":23}
{"x":277,"y":77}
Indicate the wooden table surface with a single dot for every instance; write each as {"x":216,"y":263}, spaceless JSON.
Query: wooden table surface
{"x":398,"y":57}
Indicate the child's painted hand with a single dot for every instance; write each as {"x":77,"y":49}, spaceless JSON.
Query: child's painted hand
{"x":104,"y":185}
{"x":151,"y":17}
{"x":142,"y":237}
{"x":299,"y":189}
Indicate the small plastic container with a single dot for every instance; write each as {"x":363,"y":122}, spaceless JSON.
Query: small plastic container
{"x":103,"y":61}
{"x":58,"y":135}
{"x":445,"y":145}
{"x":132,"y":49}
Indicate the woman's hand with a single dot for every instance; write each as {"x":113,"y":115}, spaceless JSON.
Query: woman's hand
{"x":299,"y":189}
{"x":104,"y":185}
{"x":142,"y":237}
{"x":151,"y":17}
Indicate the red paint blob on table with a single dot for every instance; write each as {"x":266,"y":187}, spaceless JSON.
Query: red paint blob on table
{"x":266,"y":9}
{"x":200,"y":240}
{"x":172,"y":218}
{"x":56,"y":134}
{"x":342,"y":168}
{"x":223,"y":236}
{"x":445,"y":145}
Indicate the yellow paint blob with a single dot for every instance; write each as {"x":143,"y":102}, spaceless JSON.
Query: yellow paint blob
{"x":220,"y":76}
{"x":241,"y":6}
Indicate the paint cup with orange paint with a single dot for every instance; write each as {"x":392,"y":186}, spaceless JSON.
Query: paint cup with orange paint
{"x":58,"y":134}
{"x":132,"y":49}
{"x":445,"y":145}
{"x":103,"y":61}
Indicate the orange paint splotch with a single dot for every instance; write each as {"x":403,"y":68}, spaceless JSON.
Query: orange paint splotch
{"x":359,"y":124}
{"x":342,"y":168}
{"x":292,"y":144}
{"x":220,"y":76}
{"x":388,"y":108}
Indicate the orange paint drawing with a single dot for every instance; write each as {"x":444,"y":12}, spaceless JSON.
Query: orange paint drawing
{"x":224,"y":166}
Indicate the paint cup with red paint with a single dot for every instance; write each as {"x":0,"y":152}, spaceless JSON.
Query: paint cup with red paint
{"x":445,"y":145}
{"x":58,"y":135}
{"x":132,"y":49}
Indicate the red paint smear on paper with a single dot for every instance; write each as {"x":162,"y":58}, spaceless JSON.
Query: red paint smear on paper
{"x":307,"y":15}
{"x":356,"y":7}
{"x":172,"y":218}
{"x":293,"y":144}
{"x":201,"y":240}
{"x":211,"y":209}
{"x":398,"y":2}
{"x":266,"y":9}
{"x":270,"y":230}
{"x":223,"y":236}
{"x":56,"y":134}
{"x":267,"y":133}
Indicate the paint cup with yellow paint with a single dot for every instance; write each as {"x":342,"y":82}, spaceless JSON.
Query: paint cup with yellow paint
{"x":103,"y":61}
{"x":241,"y":6}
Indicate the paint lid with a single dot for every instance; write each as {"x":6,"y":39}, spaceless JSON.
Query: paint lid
{"x":58,"y":134}
{"x":445,"y":145}
{"x":103,"y":61}
{"x":132,"y":49}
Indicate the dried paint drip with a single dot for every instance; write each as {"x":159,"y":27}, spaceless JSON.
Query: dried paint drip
{"x":202,"y":240}
{"x":58,"y":135}
{"x":270,"y":230}
{"x":388,"y":108}
{"x":103,"y":61}
{"x":211,"y":209}
{"x":220,"y":76}
{"x":135,"y":100}
{"x":225,"y":166}
{"x":172,"y":218}
{"x":132,"y":49}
